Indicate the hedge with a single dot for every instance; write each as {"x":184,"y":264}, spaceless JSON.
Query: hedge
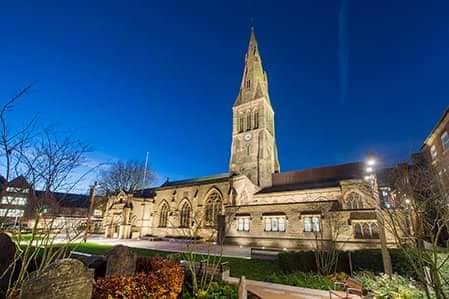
{"x":367,"y":260}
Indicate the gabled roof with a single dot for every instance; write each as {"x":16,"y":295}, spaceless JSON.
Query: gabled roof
{"x":69,"y":200}
{"x":145,"y":193}
{"x":19,"y":182}
{"x":194,"y":181}
{"x":446,"y":112}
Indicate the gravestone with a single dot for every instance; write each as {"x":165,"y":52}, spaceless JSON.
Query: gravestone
{"x":120,"y":261}
{"x":92,"y":261}
{"x":7,"y":253}
{"x":63,"y":279}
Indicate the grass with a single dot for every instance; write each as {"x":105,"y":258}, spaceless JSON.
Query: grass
{"x":251,"y":269}
{"x":302,"y":279}
{"x":27,"y":237}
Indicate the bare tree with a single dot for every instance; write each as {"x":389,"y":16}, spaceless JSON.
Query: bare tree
{"x":50,"y":162}
{"x":371,"y":191}
{"x":12,"y":143}
{"x":419,"y":219}
{"x":328,"y":238}
{"x":125,"y":176}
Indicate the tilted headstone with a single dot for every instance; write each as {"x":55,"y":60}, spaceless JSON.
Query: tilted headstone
{"x":120,"y":261}
{"x":92,"y":261}
{"x":63,"y":279}
{"x":7,"y":253}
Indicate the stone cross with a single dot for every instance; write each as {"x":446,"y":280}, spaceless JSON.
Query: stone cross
{"x":120,"y":261}
{"x":63,"y":279}
{"x":7,"y":253}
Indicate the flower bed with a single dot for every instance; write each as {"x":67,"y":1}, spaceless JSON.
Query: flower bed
{"x":156,"y":277}
{"x":384,"y":287}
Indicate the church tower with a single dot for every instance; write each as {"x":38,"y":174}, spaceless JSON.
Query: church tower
{"x":254,"y":150}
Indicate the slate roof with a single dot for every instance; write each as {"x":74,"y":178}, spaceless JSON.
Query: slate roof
{"x":314,"y":178}
{"x":68,"y":200}
{"x":2,"y":180}
{"x":299,"y":186}
{"x":200,"y":180}
{"x":145,"y":193}
{"x":19,"y":182}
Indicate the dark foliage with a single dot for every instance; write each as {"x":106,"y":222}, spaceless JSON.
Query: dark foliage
{"x":367,"y":259}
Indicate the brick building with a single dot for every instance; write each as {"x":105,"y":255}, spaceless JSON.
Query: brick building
{"x":436,"y":147}
{"x":20,"y":204}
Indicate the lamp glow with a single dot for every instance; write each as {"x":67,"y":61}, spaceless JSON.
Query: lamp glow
{"x":369,"y":169}
{"x":371,"y":162}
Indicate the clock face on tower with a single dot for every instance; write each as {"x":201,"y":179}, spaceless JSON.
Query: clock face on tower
{"x":247,"y":136}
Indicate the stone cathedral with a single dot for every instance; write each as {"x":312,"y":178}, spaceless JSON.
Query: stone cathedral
{"x":254,"y":204}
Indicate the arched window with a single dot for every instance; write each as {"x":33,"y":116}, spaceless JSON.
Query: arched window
{"x":358,"y":231}
{"x":248,"y":121}
{"x":366,"y":231}
{"x":163,"y":216}
{"x":360,"y":204}
{"x":185,"y":215}
{"x":354,"y":201}
{"x":241,"y":124}
{"x":213,"y":208}
{"x":256,"y":119}
{"x":374,"y":231}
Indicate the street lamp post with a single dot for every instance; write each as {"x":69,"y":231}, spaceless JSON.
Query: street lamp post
{"x":372,"y":179}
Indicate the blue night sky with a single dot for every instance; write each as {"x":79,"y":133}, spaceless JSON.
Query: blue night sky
{"x":127,"y":77}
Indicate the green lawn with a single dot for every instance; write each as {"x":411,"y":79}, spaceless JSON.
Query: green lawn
{"x":252,"y":269}
{"x":27,"y":237}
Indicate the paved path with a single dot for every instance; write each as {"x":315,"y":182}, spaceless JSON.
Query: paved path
{"x":265,"y":290}
{"x":177,"y":246}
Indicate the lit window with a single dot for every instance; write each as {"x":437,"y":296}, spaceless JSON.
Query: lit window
{"x":17,"y":190}
{"x":97,"y":213}
{"x":433,"y":152}
{"x":445,"y":140}
{"x":12,"y":200}
{"x":307,"y":224}
{"x":11,"y":213}
{"x":366,"y":230}
{"x":354,"y":201}
{"x":275,"y":223}
{"x":312,"y":224}
{"x":243,"y":224}
{"x":316,"y":224}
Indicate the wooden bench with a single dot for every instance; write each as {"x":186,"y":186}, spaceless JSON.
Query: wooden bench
{"x":264,"y":253}
{"x":349,"y":289}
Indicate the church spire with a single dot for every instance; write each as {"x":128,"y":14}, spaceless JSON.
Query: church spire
{"x":254,"y":83}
